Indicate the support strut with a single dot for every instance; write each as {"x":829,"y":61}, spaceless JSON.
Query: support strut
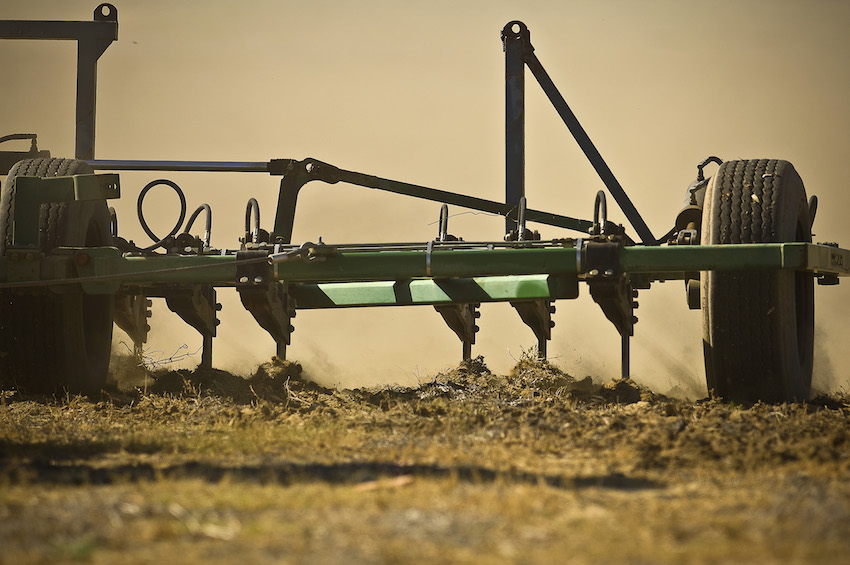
{"x":519,"y":52}
{"x":298,"y":173}
{"x":515,"y":42}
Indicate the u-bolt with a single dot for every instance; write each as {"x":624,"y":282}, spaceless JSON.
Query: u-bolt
{"x":443,"y":234}
{"x":113,"y":222}
{"x":600,"y":214}
{"x":521,"y":219}
{"x":253,"y":210}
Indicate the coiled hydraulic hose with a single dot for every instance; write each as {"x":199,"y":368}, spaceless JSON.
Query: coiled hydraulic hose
{"x":159,"y":242}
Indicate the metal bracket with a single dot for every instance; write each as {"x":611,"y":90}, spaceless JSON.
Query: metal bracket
{"x":836,"y":260}
{"x":23,"y":264}
{"x":273,"y":309}
{"x":537,"y":315}
{"x":611,"y":289}
{"x":251,"y":273}
{"x":197,"y":307}
{"x":31,"y":192}
{"x":266,"y":300}
{"x":461,"y":319}
{"x":131,"y":315}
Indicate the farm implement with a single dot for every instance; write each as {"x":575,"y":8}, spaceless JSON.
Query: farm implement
{"x":742,"y":246}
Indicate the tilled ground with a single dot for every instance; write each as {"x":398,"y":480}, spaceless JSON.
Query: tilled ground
{"x":532,"y":467}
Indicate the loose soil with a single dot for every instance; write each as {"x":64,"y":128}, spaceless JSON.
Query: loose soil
{"x":473,"y":467}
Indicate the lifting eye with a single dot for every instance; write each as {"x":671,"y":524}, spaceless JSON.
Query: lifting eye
{"x":106,"y":13}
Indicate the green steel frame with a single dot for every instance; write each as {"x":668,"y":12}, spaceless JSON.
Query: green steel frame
{"x":349,"y":275}
{"x":524,"y":267}
{"x":500,"y":274}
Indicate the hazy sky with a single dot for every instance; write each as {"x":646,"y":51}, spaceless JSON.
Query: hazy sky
{"x":414,"y":91}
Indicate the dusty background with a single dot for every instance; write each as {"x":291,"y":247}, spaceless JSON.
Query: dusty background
{"x":414,"y":91}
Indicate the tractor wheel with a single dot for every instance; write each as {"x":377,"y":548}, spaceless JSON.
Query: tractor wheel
{"x":758,"y":326}
{"x":55,"y":341}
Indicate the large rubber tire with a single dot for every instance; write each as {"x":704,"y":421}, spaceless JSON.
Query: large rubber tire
{"x":758,"y":326}
{"x":53,"y":342}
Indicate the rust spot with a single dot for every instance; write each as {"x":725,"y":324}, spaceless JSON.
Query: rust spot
{"x":81,"y":258}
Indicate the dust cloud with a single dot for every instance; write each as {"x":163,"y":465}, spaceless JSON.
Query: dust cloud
{"x":414,"y":91}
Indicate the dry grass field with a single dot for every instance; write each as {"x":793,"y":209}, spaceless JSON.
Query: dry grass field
{"x":474,"y":467}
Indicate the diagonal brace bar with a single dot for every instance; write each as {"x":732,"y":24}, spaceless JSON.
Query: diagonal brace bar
{"x":589,"y":149}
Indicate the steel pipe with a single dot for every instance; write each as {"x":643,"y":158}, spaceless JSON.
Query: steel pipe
{"x":200,"y":166}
